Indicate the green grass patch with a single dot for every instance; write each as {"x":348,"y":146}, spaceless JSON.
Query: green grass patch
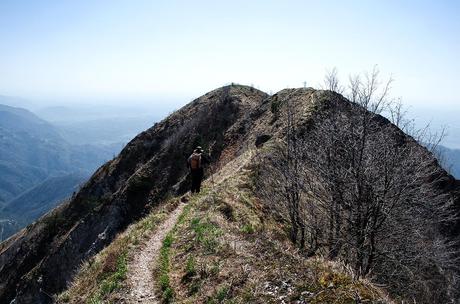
{"x":165,"y":257}
{"x":248,"y":228}
{"x":220,"y":296}
{"x":222,"y":293}
{"x":113,"y":280}
{"x":190,"y":267}
{"x":163,"y":280}
{"x":206,"y":233}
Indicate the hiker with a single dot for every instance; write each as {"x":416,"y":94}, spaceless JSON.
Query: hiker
{"x":195,"y":163}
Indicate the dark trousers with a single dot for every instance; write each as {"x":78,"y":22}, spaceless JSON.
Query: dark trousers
{"x":197,"y":176}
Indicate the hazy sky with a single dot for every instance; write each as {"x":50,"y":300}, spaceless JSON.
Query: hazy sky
{"x":142,"y":49}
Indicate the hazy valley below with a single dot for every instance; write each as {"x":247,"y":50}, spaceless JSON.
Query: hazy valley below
{"x":48,"y":153}
{"x":451,"y":160}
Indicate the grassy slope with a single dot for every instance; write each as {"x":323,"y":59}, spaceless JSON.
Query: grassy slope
{"x":102,"y":278}
{"x":227,"y":250}
{"x":223,"y":249}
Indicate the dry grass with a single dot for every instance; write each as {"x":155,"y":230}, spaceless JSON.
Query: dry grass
{"x":101,"y":279}
{"x":228,"y":250}
{"x":224,"y":248}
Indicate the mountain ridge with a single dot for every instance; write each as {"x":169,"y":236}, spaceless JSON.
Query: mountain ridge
{"x":32,"y":151}
{"x":125,"y":179}
{"x":226,"y":121}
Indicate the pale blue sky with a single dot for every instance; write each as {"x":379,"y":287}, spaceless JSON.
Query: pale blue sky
{"x":146,"y":49}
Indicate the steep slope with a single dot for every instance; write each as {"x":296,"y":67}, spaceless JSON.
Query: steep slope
{"x":228,"y":122}
{"x":31,"y":153}
{"x":45,"y":256}
{"x":222,"y":248}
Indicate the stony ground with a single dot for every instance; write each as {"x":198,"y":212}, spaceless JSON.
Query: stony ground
{"x":139,"y":276}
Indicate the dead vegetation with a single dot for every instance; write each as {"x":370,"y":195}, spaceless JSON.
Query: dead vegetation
{"x":224,"y":248}
{"x":354,"y":187}
{"x":227,"y":249}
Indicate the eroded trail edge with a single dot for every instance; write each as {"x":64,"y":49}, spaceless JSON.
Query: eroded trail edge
{"x":140,"y":275}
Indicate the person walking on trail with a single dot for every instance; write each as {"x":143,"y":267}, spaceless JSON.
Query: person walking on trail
{"x":195,"y":163}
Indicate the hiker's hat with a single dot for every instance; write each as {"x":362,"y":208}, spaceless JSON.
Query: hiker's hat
{"x":198,"y":149}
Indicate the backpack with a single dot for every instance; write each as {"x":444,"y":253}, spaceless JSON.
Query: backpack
{"x":195,"y":161}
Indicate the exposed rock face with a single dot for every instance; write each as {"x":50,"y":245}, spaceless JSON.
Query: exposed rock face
{"x":40,"y":260}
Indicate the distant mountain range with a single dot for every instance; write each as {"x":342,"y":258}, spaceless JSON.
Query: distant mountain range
{"x":451,"y":160}
{"x":38,"y":167}
{"x":98,"y":124}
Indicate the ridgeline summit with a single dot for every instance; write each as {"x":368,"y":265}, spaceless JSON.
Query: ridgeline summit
{"x":233,"y":242}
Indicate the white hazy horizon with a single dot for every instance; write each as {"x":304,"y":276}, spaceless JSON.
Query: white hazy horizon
{"x":163,"y":54}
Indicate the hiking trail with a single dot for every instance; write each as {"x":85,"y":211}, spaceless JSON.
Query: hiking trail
{"x":140,"y":268}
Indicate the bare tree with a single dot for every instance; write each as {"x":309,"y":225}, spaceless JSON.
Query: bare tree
{"x":287,"y":187}
{"x":331,"y":81}
{"x":357,"y":188}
